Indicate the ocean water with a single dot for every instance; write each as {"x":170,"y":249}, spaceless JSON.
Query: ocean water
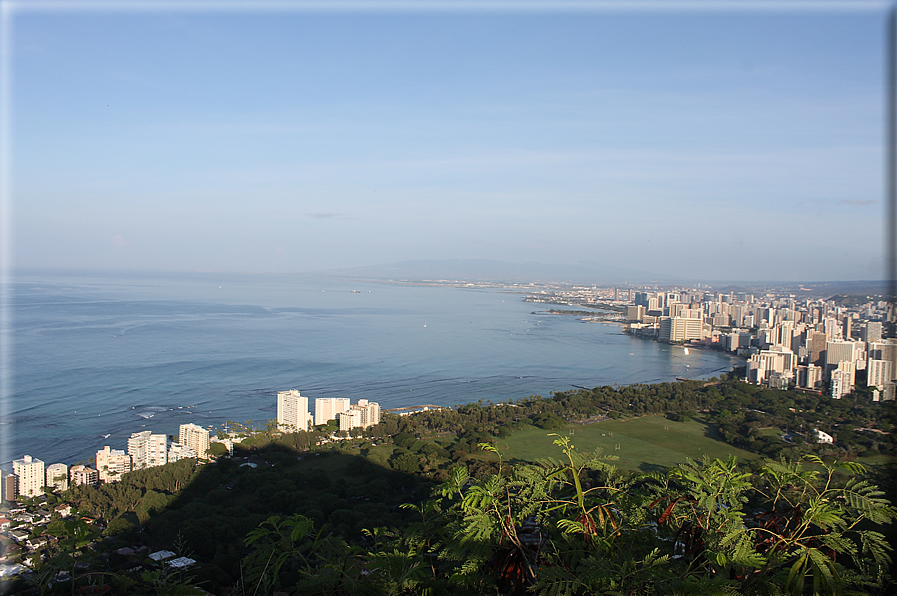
{"x":97,"y":357}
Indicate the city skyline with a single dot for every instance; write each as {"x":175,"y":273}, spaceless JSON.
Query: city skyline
{"x":721,"y":144}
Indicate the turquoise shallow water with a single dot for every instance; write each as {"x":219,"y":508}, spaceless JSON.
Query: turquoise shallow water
{"x":98,"y":355}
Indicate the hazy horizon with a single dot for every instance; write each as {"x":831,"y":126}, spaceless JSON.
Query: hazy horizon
{"x":744,"y":145}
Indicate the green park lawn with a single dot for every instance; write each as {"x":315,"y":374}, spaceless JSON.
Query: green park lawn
{"x":645,"y":444}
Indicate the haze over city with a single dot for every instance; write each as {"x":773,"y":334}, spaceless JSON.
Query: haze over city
{"x":723,"y":144}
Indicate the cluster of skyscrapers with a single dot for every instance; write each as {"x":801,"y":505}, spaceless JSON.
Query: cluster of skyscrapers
{"x":811,"y":344}
{"x":293,"y":413}
{"x":145,"y":450}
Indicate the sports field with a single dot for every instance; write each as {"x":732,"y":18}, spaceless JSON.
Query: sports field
{"x":645,"y":444}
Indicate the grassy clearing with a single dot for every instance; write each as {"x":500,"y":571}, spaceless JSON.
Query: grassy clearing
{"x":770,"y":432}
{"x":650,"y":443}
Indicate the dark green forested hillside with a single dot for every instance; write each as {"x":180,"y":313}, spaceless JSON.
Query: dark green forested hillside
{"x":427,"y":504}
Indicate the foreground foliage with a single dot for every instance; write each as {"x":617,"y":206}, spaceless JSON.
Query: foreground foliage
{"x":579,"y":526}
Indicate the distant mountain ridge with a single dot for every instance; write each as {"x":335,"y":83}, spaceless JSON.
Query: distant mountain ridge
{"x":585,"y":272}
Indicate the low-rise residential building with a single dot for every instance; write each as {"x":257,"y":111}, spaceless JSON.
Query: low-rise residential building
{"x":229,"y":443}
{"x":177,"y":451}
{"x":822,"y":437}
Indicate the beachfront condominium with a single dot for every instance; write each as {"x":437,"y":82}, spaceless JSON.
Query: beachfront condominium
{"x":30,"y":474}
{"x":58,"y":477}
{"x":360,"y":415}
{"x":292,"y":411}
{"x":147,"y":450}
{"x":81,"y":474}
{"x":326,"y":408}
{"x":673,"y":329}
{"x":112,"y":464}
{"x":196,"y":438}
{"x":370,"y":412}
{"x":349,"y":420}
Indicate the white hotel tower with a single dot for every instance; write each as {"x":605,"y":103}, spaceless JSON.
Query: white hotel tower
{"x":328,"y":408}
{"x":292,"y":411}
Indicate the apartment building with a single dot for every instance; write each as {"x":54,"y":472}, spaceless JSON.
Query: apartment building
{"x":147,"y":450}
{"x":112,"y":464}
{"x":194,"y":437}
{"x":84,"y":475}
{"x":30,"y":474}
{"x":292,"y":411}
{"x":327,"y":408}
{"x":58,"y":477}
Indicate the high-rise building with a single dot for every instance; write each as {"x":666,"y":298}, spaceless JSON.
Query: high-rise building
{"x":878,"y":373}
{"x":872,"y":331}
{"x":58,"y":476}
{"x":9,"y":486}
{"x":783,"y":334}
{"x":841,"y":383}
{"x":349,"y":420}
{"x":840,"y":351}
{"x":680,"y":329}
{"x":112,"y":464}
{"x":816,"y":341}
{"x":326,"y":408}
{"x":363,"y":414}
{"x":635,"y":313}
{"x":370,"y":412}
{"x":832,"y":328}
{"x":292,"y":411}
{"x":84,"y":475}
{"x":885,"y":350}
{"x":147,"y":450}
{"x":809,"y":376}
{"x":196,"y":438}
{"x":30,"y":473}
{"x":777,"y":359}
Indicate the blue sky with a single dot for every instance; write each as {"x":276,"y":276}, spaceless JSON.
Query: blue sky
{"x":741,"y":145}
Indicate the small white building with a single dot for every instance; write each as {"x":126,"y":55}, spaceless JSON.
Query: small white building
{"x":822,"y":437}
{"x":229,"y":443}
{"x":177,"y":451}
{"x":181,"y":563}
